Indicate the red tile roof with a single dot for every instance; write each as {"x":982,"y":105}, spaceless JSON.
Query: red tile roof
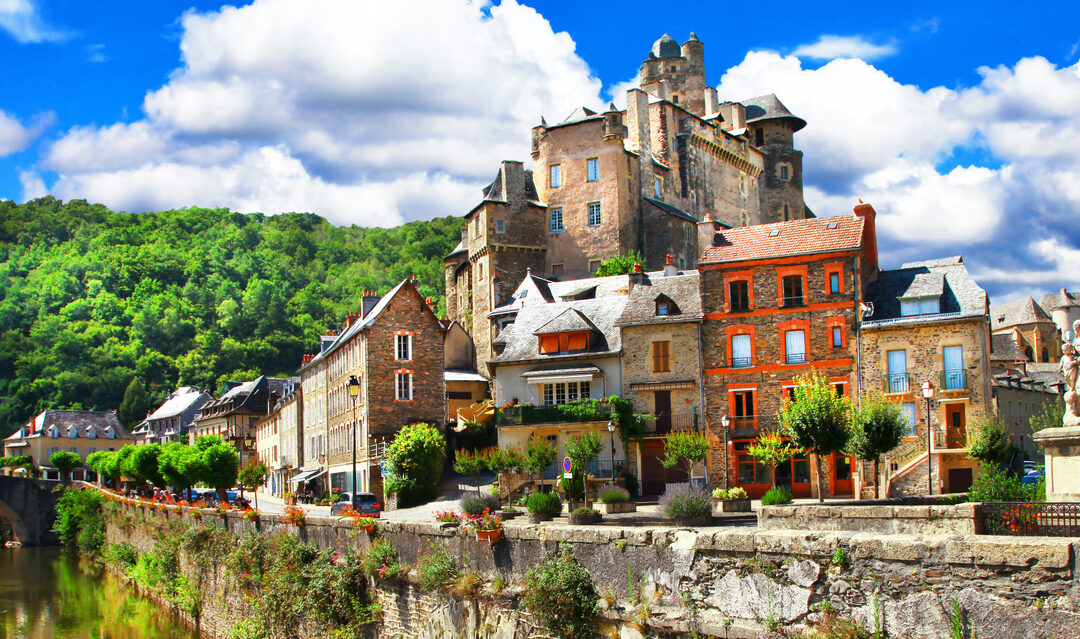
{"x":797,"y":237}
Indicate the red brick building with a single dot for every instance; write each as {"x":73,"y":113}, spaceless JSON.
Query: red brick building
{"x":780,"y":300}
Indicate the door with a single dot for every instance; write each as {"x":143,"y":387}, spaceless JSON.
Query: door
{"x":896,"y":381}
{"x":956,"y":420}
{"x":654,"y":477}
{"x":960,"y":480}
{"x":842,"y":484}
{"x":662,"y":410}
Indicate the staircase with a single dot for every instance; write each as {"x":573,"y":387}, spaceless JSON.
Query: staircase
{"x":481,"y":413}
{"x":905,"y":459}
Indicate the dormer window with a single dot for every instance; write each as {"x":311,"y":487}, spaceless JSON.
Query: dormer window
{"x":91,"y":433}
{"x":110,"y":432}
{"x":72,"y":432}
{"x":920,"y":306}
{"x":665,"y":306}
{"x":554,"y":343}
{"x":53,"y":432}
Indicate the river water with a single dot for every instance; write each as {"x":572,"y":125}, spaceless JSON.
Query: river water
{"x":45,"y":593}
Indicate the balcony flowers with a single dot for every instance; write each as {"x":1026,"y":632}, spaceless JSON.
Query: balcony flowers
{"x":294,"y":515}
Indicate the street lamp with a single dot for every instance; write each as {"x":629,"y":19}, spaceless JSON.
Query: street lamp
{"x":724,"y":422}
{"x":928,"y":394}
{"x":354,"y":392}
{"x":611,"y":430}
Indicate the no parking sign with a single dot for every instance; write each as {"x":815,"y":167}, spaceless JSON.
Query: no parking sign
{"x":568,"y":466}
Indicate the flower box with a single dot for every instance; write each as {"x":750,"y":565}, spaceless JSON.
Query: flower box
{"x":585,"y":518}
{"x":611,"y":507}
{"x":731,"y":506}
{"x":489,"y":536}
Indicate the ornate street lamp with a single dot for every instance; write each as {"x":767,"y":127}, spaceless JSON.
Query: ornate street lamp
{"x":354,"y":392}
{"x":725,"y":421}
{"x":928,"y":394}
{"x":611,"y":431}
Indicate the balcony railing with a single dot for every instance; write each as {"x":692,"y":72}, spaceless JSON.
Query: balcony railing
{"x":792,"y":301}
{"x":897,"y":383}
{"x":376,"y":450}
{"x":751,"y":426}
{"x":563,"y":414}
{"x":954,"y":438}
{"x":1025,"y":518}
{"x":954,"y":380}
{"x":742,"y":362}
{"x":677,"y":423}
{"x":795,"y":358}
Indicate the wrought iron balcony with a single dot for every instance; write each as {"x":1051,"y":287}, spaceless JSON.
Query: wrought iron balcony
{"x":664,"y":424}
{"x":792,"y":301}
{"x":742,"y":362}
{"x":795,"y":358}
{"x":751,"y":426}
{"x":897,"y":383}
{"x":954,"y":380}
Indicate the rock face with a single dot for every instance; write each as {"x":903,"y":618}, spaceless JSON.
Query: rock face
{"x":759,"y":597}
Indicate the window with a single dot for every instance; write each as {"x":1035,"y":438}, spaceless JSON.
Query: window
{"x":688,"y":232}
{"x":476,"y":226}
{"x":834,"y":282}
{"x":555,"y":176}
{"x":745,"y":218}
{"x":896,"y":379}
{"x":556,"y":269}
{"x":592,"y":169}
{"x":594,"y":214}
{"x":759,"y":137}
{"x":741,"y":351}
{"x":661,"y":358}
{"x":792,"y":290}
{"x":952,"y":377}
{"x":563,"y":392}
{"x":786,"y":212}
{"x":785,"y":174}
{"x":91,"y":433}
{"x":920,"y":306}
{"x":738,"y":296}
{"x":908,"y":408}
{"x":500,"y":226}
{"x":795,"y":347}
{"x":658,"y":187}
{"x":837,"y":337}
{"x":594,"y":266}
{"x":403,"y":347}
{"x":403,"y":386}
{"x":663,"y":307}
{"x":556,"y":220}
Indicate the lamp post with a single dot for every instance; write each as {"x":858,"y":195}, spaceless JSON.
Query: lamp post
{"x":928,"y":394}
{"x":724,"y":422}
{"x":354,"y":392}
{"x":611,"y":430}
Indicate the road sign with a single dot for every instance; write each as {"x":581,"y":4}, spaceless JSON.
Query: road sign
{"x":382,"y":469}
{"x":568,"y":475}
{"x":567,"y":465}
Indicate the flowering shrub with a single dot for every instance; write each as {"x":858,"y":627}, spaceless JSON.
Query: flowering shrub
{"x":685,"y":502}
{"x":250,"y":514}
{"x":447,"y":517}
{"x":362,"y":521}
{"x":380,"y":560}
{"x":221,"y":508}
{"x":294,"y":515}
{"x":196,"y":514}
{"x":726,"y":494}
{"x":612,"y":494}
{"x":485,"y":521}
{"x":436,"y":568}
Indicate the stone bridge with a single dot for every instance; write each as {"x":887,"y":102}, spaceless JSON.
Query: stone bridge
{"x":29,"y":507}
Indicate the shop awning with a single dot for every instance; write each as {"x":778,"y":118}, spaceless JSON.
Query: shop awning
{"x":307,"y":475}
{"x":548,"y":375}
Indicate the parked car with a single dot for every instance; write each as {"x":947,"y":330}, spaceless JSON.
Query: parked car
{"x":1033,"y":477}
{"x":366,"y":504}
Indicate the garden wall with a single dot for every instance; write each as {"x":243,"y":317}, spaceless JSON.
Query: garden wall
{"x":882,"y":517}
{"x":717,"y":582}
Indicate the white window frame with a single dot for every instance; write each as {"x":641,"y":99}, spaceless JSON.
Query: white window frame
{"x":592,"y":169}
{"x":658,"y":187}
{"x":789,"y":343}
{"x":555,"y":176}
{"x":403,"y":387}
{"x":593,"y":208}
{"x":555,"y":221}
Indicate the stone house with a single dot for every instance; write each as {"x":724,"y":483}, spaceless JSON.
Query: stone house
{"x":1030,"y":327}
{"x":1019,"y":396}
{"x":83,"y":432}
{"x":279,"y":440}
{"x":169,"y":422}
{"x":780,"y":300}
{"x":465,"y":387}
{"x":661,"y":367}
{"x":659,"y":177}
{"x":930,"y":323}
{"x":1063,"y":307}
{"x":234,"y":415}
{"x":394,"y":349}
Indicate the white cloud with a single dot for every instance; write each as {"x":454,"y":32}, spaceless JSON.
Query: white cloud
{"x":20,"y":18}
{"x":831,"y":47}
{"x":359,"y":97}
{"x":15,"y":136}
{"x":32,"y":184}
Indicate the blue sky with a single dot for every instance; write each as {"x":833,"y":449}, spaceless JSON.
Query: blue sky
{"x":960,"y":122}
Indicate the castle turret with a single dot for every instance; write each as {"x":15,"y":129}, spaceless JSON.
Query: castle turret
{"x":676,"y":73}
{"x":772,"y":130}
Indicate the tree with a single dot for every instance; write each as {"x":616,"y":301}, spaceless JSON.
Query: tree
{"x":877,"y":426}
{"x":505,"y":460}
{"x":1052,"y":415}
{"x":414,"y":463}
{"x":253,"y":475}
{"x":539,"y":455}
{"x":620,"y":264}
{"x":582,"y":449}
{"x":103,"y":462}
{"x":181,"y":466}
{"x":144,"y":464}
{"x":222,"y":464}
{"x":472,"y":464}
{"x":816,"y":420}
{"x":772,"y":450}
{"x":65,"y":462}
{"x":991,"y":444}
{"x":688,"y":446}
{"x":133,"y":407}
{"x":122,"y":467}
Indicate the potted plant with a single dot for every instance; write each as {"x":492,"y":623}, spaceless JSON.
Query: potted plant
{"x":687,"y":505}
{"x":730,"y":500}
{"x":290,"y":499}
{"x":366,"y":524}
{"x":585,"y":516}
{"x":543,"y":506}
{"x":509,"y":512}
{"x":250,"y":514}
{"x":447,"y":519}
{"x":487,"y":525}
{"x":616,"y":499}
{"x":294,"y":515}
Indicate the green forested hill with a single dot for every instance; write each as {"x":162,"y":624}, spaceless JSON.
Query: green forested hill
{"x":105,"y":310}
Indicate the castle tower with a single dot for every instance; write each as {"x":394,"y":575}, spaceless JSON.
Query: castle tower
{"x":676,"y":73}
{"x":772,"y":130}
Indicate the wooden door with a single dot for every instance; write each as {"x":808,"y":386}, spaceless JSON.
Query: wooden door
{"x":960,"y":480}
{"x":956,"y":421}
{"x":654,"y":477}
{"x":662,"y":410}
{"x":842,"y":483}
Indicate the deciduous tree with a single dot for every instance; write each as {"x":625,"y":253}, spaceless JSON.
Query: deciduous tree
{"x":816,"y":420}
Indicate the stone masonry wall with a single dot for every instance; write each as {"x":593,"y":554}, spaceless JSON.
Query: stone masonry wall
{"x":717,"y":582}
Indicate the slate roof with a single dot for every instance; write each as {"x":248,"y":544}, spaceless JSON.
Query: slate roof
{"x":570,"y":320}
{"x":496,"y":191}
{"x":1060,"y":299}
{"x":541,"y":371}
{"x":682,"y":289}
{"x":1016,"y":313}
{"x":523,"y":345}
{"x":926,"y":285}
{"x":82,"y":420}
{"x":1005,"y":349}
{"x":669,"y":209}
{"x":666,"y":47}
{"x":795,"y":237}
{"x":180,"y":401}
{"x":769,"y":107}
{"x":961,"y":297}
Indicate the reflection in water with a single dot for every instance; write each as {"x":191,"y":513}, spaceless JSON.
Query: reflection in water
{"x":45,"y":593}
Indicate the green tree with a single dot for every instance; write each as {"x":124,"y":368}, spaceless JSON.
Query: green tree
{"x":144,"y":463}
{"x":620,"y":264}
{"x":222,"y":465}
{"x":816,"y":420}
{"x":690,"y":447}
{"x":507,"y":459}
{"x":103,"y":462}
{"x":991,"y":443}
{"x":65,"y":462}
{"x":181,"y":466}
{"x":582,"y":449}
{"x":472,"y":464}
{"x":253,"y":476}
{"x":135,"y":403}
{"x":877,"y":426}
{"x":560,"y":592}
{"x":1051,"y":415}
{"x":539,"y":455}
{"x":772,"y":450}
{"x":414,"y":463}
{"x":123,"y":468}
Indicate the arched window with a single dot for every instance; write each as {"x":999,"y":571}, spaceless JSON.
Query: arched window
{"x":1030,"y":354}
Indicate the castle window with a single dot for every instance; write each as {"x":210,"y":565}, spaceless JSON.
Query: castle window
{"x":745,"y":218}
{"x":785,"y":172}
{"x":594,"y":266}
{"x":786,"y":212}
{"x":556,"y":220}
{"x":594,"y":214}
{"x":556,"y":270}
{"x":759,"y":137}
{"x":742,"y":183}
{"x":555,"y":176}
{"x":658,"y":187}
{"x":675,"y":99}
{"x":500,"y":226}
{"x":592,"y":169}
{"x":688,"y":232}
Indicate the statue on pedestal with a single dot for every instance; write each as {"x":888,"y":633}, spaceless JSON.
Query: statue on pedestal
{"x":1070,"y":370}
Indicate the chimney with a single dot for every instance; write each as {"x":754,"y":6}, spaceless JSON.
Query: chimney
{"x":669,"y":266}
{"x":738,"y":115}
{"x":368,"y":302}
{"x":712,"y":102}
{"x":869,"y":248}
{"x":306,"y":359}
{"x":636,"y":278}
{"x":351,"y":318}
{"x":415,"y":282}
{"x":513,"y":182}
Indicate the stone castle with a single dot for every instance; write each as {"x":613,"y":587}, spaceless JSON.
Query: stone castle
{"x":660,"y":177}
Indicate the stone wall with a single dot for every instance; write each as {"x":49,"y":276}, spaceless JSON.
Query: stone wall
{"x":717,"y":582}
{"x":923,"y":519}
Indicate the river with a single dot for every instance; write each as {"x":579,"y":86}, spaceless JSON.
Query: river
{"x":45,"y":593}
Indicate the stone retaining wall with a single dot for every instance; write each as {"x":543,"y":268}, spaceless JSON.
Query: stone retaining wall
{"x":717,"y":582}
{"x":928,"y":519}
